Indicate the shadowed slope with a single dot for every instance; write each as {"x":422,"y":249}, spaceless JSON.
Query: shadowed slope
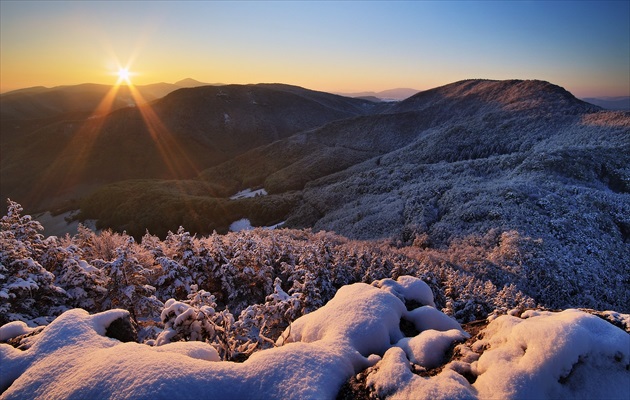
{"x":199,"y":127}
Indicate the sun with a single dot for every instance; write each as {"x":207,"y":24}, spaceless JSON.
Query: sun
{"x":124,"y":76}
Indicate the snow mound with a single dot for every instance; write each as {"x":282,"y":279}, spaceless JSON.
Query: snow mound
{"x":427,"y":317}
{"x":393,"y":377}
{"x":198,"y":350}
{"x":408,"y":288}
{"x":543,"y":355}
{"x":315,"y":356}
{"x":14,"y":329}
{"x":570,"y":354}
{"x":360,"y":316}
{"x":71,"y":359}
{"x":428,"y":348}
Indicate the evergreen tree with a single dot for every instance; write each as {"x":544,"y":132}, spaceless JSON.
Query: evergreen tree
{"x":27,"y":289}
{"x":128,"y":284}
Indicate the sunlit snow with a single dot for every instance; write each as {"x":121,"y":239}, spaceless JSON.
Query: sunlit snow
{"x":13,"y":329}
{"x":568,"y":354}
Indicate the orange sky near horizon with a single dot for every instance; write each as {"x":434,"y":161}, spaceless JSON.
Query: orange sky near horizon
{"x":330,"y":46}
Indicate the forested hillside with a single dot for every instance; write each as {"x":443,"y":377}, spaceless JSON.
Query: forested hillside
{"x":98,"y":271}
{"x":69,"y":155}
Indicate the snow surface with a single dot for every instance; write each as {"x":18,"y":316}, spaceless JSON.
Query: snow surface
{"x":243,"y":194}
{"x":409,"y":288}
{"x":569,"y":354}
{"x":198,"y":350}
{"x":428,"y":348}
{"x":14,"y":329}
{"x":244,"y":224}
{"x":241,"y":225}
{"x":393,"y":377}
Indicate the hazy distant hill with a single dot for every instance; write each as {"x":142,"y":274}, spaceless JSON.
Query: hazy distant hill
{"x":611,"y":103}
{"x":387,"y":95}
{"x":41,"y":102}
{"x":189,"y":82}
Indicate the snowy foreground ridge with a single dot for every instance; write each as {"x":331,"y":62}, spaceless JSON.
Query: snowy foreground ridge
{"x":568,"y":354}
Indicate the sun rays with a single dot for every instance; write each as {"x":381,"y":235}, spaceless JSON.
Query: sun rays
{"x":82,"y":138}
{"x":171,"y":152}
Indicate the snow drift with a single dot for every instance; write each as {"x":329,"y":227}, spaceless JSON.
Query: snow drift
{"x":541,"y":354}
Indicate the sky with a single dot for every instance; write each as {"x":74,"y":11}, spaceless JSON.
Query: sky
{"x":348,"y":47}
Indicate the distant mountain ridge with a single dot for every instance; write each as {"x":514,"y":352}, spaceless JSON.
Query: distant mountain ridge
{"x":190,"y":82}
{"x":42,"y":102}
{"x":611,"y":103}
{"x":509,"y":95}
{"x":385,"y":95}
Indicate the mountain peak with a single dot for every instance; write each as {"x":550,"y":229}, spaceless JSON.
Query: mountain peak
{"x":509,"y":95}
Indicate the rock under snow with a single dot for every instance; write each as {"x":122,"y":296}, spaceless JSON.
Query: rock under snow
{"x":14,"y":329}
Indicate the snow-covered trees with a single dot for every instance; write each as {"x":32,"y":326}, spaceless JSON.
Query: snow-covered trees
{"x":239,"y":291}
{"x":283,"y":273}
{"x":128,"y":284}
{"x":189,"y":320}
{"x":27,"y":290}
{"x":257,"y":327}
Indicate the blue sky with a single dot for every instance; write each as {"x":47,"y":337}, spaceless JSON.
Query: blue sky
{"x":333,"y":46}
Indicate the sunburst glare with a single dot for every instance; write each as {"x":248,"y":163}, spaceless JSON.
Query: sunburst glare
{"x":123,"y":75}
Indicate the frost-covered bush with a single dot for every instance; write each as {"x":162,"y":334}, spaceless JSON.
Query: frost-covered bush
{"x":100,"y":245}
{"x":257,"y":327}
{"x":84,"y":284}
{"x":191,"y":320}
{"x":127,"y":284}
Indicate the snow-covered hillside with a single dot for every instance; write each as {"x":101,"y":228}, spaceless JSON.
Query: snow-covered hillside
{"x":287,"y":314}
{"x":475,"y":161}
